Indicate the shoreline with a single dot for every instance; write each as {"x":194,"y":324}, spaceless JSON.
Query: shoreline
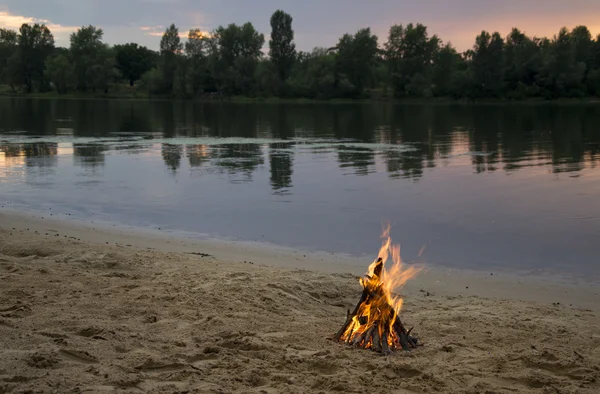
{"x":142,"y":314}
{"x":536,"y":287}
{"x":278,"y":100}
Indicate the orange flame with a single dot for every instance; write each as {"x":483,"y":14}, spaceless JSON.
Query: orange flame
{"x":382,"y":283}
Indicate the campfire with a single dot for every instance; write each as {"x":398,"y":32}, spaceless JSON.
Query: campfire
{"x":375,"y":321}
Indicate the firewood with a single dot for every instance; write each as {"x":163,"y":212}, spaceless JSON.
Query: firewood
{"x":342,"y":330}
{"x":376,"y":346}
{"x":349,"y":316}
{"x":368,"y":325}
{"x":369,"y":335}
{"x":385,"y":348}
{"x":403,"y":341}
{"x":363,"y":337}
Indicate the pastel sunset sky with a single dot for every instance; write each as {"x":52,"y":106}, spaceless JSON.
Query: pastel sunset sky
{"x":316,"y":22}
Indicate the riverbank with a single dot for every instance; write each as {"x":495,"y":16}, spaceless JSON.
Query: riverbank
{"x":84,"y":308}
{"x":126,"y":94}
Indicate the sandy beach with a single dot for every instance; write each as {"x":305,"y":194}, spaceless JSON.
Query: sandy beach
{"x":85,"y":308}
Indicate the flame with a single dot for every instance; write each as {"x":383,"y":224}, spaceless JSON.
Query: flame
{"x":381,"y":284}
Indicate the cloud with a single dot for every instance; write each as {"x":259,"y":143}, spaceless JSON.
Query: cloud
{"x":14,"y":22}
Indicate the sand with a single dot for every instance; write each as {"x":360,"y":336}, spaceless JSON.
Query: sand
{"x":80,"y":315}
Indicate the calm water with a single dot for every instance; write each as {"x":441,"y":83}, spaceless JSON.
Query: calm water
{"x":512,"y":186}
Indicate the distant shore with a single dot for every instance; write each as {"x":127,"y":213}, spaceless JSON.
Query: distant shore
{"x":121,"y":95}
{"x":99,"y":309}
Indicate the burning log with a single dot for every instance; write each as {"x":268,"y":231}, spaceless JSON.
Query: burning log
{"x":375,"y":323}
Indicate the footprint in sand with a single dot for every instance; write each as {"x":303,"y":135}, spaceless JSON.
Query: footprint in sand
{"x":42,"y":360}
{"x":158,"y":366}
{"x":78,"y":356}
{"x":90,"y":332}
{"x":17,"y":310}
{"x":199,"y":359}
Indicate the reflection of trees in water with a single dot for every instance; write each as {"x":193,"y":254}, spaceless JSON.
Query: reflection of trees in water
{"x":42,"y":155}
{"x":507,"y":137}
{"x":427,"y":134}
{"x":403,"y":165}
{"x":281,"y":161}
{"x":89,"y":155}
{"x":39,"y":154}
{"x":230,"y":158}
{"x":96,"y":118}
{"x":172,"y":155}
{"x":134,"y":121}
{"x":12,"y":150}
{"x":568,"y":149}
{"x":40,"y":150}
{"x":238,"y":158}
{"x":361,"y":160}
{"x":197,"y":154}
{"x":30,"y":116}
{"x":277,"y":124}
{"x":593,"y":156}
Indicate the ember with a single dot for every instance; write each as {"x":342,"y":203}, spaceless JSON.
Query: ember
{"x":375,"y":322}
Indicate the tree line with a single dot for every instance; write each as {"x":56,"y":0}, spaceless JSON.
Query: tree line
{"x":230,"y":61}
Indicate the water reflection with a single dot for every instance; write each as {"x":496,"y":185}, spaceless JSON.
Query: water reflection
{"x":488,"y":138}
{"x":361,"y":160}
{"x":37,"y":154}
{"x":439,"y":171}
{"x":172,"y":155}
{"x":89,"y":155}
{"x":197,"y":154}
{"x":281,"y":161}
{"x":234,"y":159}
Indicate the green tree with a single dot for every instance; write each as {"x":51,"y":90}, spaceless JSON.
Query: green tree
{"x":596,"y":53}
{"x":35,"y":44}
{"x":8,"y":46}
{"x":593,"y":78}
{"x":593,"y":82}
{"x":583,"y":45}
{"x":152,"y":81}
{"x":583,"y":48}
{"x":196,"y":77}
{"x":170,"y":49}
{"x":181,"y":87}
{"x":170,"y":42}
{"x":356,"y":55}
{"x":102,"y":72}
{"x":236,"y":41}
{"x":488,"y":65}
{"x":446,"y":64}
{"x":196,"y":45}
{"x":560,"y":74}
{"x":133,"y":61}
{"x":239,"y":48}
{"x":522,"y":63}
{"x":282,"y":49}
{"x":213,"y":63}
{"x":87,"y":51}
{"x":14,"y":71}
{"x":60,"y":71}
{"x":410,"y":54}
{"x":314,"y":75}
{"x":268,"y":82}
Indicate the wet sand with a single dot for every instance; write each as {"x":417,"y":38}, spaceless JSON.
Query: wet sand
{"x":86,"y":308}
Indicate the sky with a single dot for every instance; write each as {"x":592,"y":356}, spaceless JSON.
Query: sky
{"x":316,"y":22}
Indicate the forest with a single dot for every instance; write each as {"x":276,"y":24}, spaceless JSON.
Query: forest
{"x":230,"y":61}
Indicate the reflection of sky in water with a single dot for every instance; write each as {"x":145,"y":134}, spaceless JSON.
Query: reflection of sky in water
{"x":526,"y":200}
